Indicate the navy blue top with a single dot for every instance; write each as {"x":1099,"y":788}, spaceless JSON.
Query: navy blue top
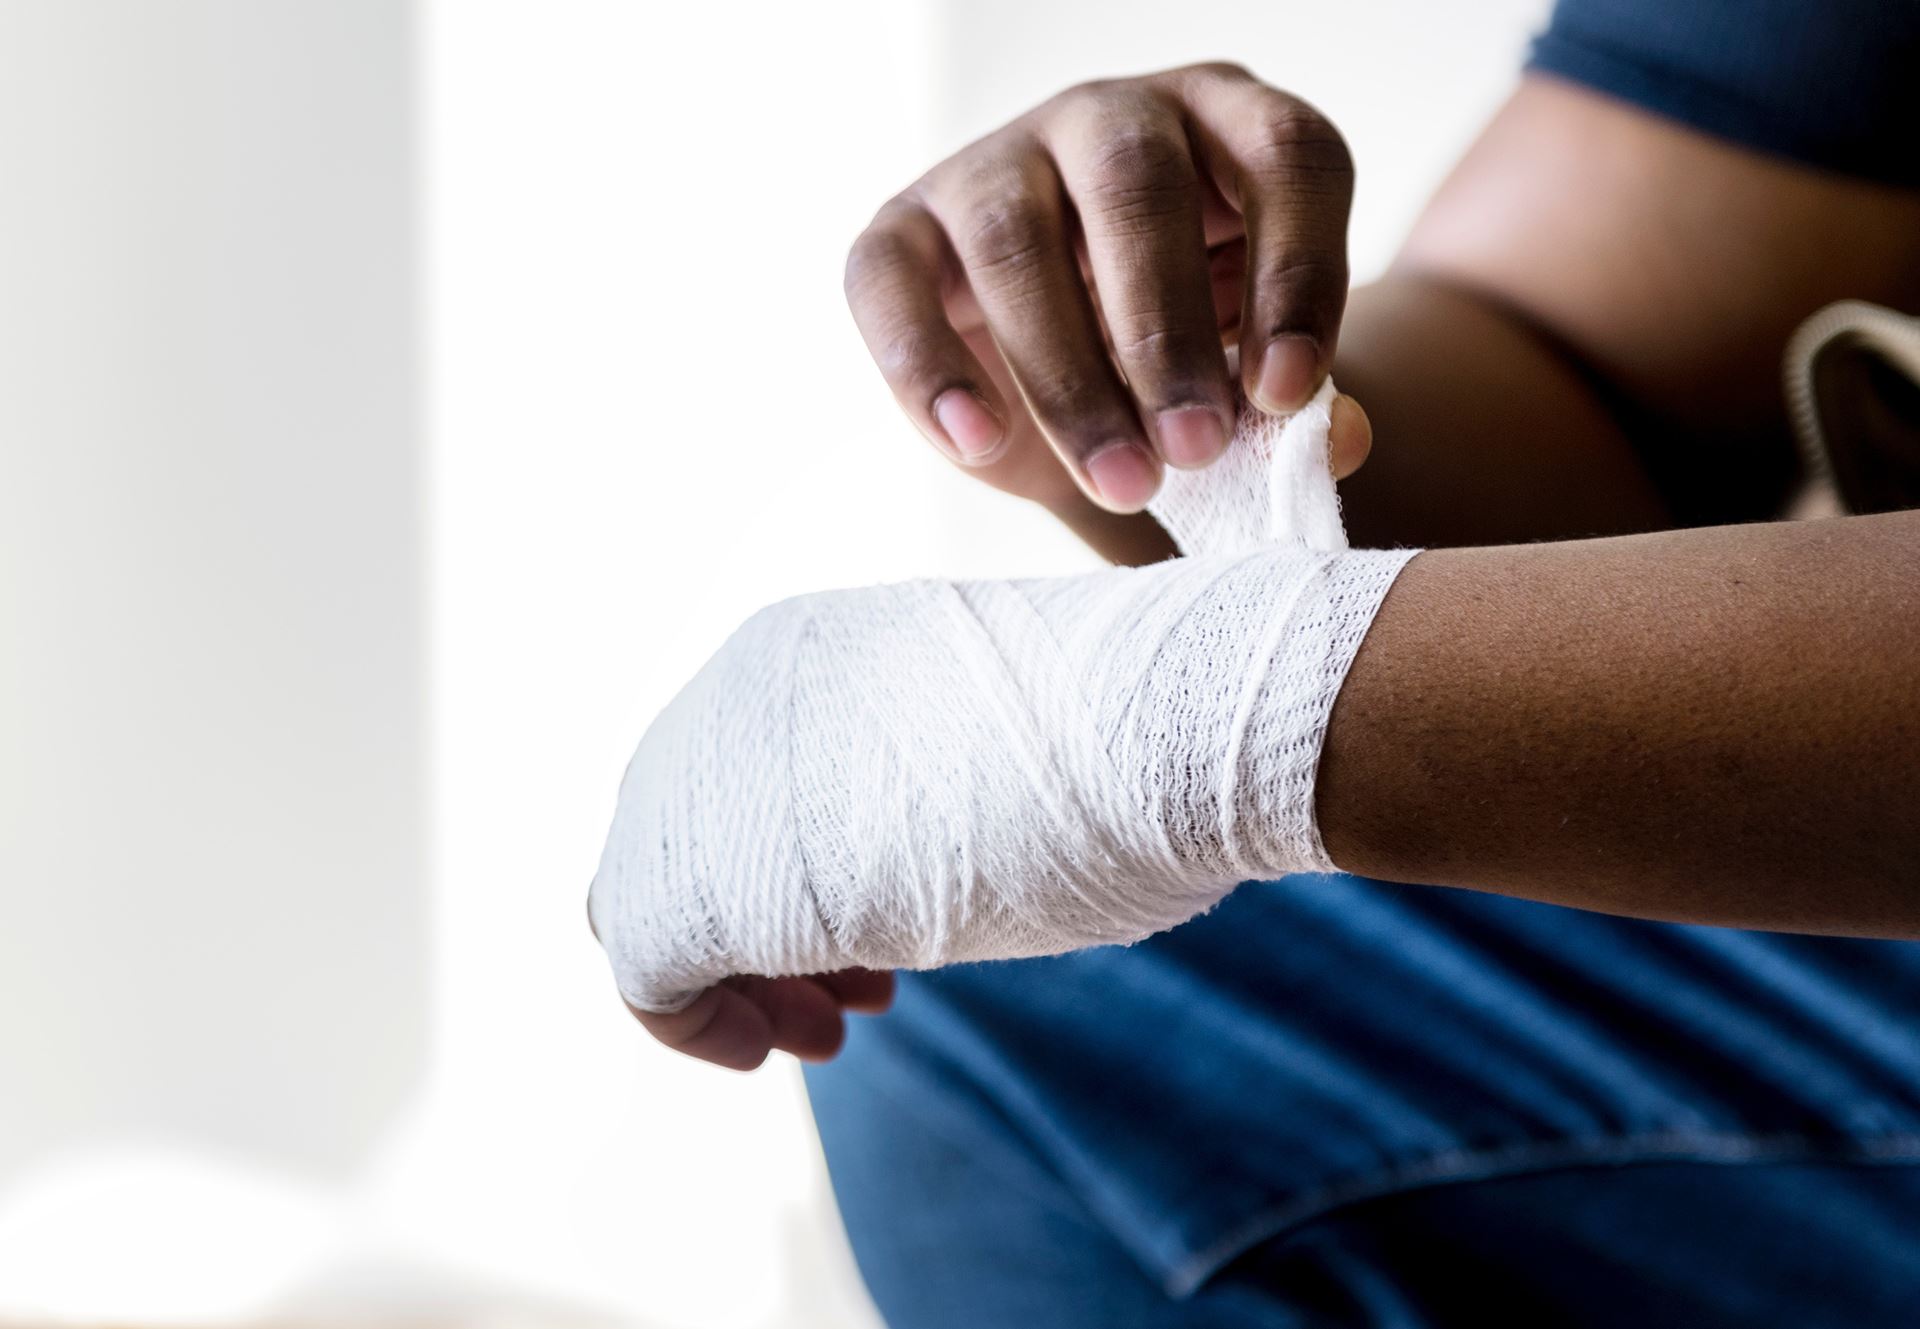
{"x":1831,"y":83}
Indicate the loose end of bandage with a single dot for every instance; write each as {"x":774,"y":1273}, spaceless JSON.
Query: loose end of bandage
{"x":1273,"y":485}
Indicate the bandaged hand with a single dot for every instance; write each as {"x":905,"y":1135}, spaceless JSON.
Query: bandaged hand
{"x":913,"y":775}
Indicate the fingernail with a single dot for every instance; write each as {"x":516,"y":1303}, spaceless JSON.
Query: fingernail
{"x":973,"y":430}
{"x":1123,"y":476}
{"x":1287,"y":373}
{"x":1191,"y":436}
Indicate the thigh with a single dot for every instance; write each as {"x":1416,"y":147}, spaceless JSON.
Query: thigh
{"x":956,"y":1224}
{"x":1333,"y":1101}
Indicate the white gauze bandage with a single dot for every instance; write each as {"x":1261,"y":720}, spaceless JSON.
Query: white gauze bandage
{"x":912,"y":775}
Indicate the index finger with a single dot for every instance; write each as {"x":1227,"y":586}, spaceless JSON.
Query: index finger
{"x":893,"y":289}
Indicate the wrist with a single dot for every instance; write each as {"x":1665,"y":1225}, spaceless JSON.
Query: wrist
{"x":1298,"y":675}
{"x":1374,"y":795}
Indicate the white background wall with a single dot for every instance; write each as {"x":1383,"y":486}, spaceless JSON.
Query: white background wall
{"x":212,"y":755}
{"x":646,"y":414}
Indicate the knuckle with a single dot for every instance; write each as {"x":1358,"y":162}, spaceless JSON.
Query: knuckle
{"x":1007,"y":234}
{"x":909,"y":355}
{"x":1296,"y":288}
{"x":1077,"y":406}
{"x":1139,"y":172}
{"x":875,"y":252}
{"x":1304,"y":272}
{"x":1163,"y":347}
{"x":1000,"y":169}
{"x":1290,"y":136}
{"x":1062,"y":392}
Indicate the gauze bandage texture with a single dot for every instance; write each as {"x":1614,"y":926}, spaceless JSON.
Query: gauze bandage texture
{"x":912,"y":775}
{"x":1272,"y":485}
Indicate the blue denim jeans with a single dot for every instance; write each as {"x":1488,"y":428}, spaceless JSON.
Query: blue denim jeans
{"x":1335,"y":1101}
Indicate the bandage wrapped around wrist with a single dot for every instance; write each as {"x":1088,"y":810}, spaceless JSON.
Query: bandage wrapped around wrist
{"x":913,"y":775}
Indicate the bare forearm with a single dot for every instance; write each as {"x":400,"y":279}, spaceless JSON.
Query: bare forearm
{"x":1714,"y":726}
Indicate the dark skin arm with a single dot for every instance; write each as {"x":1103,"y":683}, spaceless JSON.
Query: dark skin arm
{"x":1710,"y":726}
{"x":1580,"y":338}
{"x":1707,"y":726}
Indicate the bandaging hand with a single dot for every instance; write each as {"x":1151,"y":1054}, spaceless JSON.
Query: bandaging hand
{"x":1048,"y":304}
{"x":912,"y":775}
